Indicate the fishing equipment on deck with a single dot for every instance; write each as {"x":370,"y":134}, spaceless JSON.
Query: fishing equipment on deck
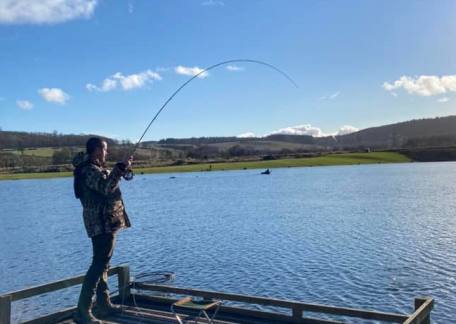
{"x":129,"y":173}
{"x":199,"y":307}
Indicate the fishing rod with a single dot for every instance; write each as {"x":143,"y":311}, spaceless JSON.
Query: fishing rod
{"x":129,"y":173}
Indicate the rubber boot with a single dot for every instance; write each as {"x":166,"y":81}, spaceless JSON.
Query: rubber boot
{"x":83,"y":314}
{"x":104,"y":305}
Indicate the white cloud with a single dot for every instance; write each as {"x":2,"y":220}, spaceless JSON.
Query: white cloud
{"x":55,"y":95}
{"x":24,"y":104}
{"x":133,"y":81}
{"x":212,"y":3}
{"x":444,"y":99}
{"x":334,"y":95}
{"x":91,"y":87}
{"x":424,"y":85}
{"x":246,"y":135}
{"x":191,"y":71}
{"x":234,"y":68}
{"x":130,"y":8}
{"x":306,"y":129}
{"x":330,"y":97}
{"x":125,"y":82}
{"x":346,"y":129}
{"x":44,"y":11}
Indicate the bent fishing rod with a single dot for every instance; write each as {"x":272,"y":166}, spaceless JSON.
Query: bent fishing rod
{"x":129,"y":173}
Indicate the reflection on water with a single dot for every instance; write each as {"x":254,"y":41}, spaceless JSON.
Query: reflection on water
{"x":371,"y":236}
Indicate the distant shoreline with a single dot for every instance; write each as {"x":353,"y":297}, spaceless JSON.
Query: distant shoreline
{"x":326,"y":160}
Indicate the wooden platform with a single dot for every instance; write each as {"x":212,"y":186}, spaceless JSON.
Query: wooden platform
{"x":132,"y":315}
{"x":150,"y":303}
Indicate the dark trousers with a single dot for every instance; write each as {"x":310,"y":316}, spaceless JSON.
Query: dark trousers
{"x":97,"y":276}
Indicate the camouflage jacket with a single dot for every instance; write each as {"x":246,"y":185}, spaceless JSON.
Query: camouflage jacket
{"x":101,"y":199}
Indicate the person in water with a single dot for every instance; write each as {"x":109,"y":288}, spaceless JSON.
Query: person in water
{"x":104,"y":215}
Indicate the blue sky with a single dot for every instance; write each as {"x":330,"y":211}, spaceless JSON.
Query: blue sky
{"x":105,"y":67}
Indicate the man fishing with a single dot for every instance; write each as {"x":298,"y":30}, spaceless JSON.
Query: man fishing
{"x":104,"y":215}
{"x":103,"y":209}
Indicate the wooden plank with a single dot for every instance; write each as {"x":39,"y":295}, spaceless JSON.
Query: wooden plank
{"x":273,"y":317}
{"x":297,"y":312}
{"x":65,"y":314}
{"x":342,"y":311}
{"x":124,"y":282}
{"x":139,"y":313}
{"x":237,"y":314}
{"x":5,"y":309}
{"x":422,"y":314}
{"x":53,"y":286}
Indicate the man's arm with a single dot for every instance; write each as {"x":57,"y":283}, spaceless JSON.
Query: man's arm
{"x":102,"y":183}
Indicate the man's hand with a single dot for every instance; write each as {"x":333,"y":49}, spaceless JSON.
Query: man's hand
{"x":127,"y":162}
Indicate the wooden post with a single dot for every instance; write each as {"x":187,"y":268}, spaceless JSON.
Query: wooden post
{"x":124,"y":283}
{"x":418,"y":302}
{"x":5,"y":309}
{"x":297,"y":312}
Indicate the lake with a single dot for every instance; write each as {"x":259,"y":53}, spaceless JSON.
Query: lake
{"x":367,"y":236}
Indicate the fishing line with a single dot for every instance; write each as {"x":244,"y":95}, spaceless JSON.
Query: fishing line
{"x":156,"y":277}
{"x":129,"y":174}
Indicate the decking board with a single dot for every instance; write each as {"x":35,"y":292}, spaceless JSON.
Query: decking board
{"x":132,"y":314}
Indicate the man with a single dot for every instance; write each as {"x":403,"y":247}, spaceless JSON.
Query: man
{"x":104,"y":214}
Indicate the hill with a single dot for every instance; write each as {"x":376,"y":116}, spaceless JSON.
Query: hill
{"x":19,"y":140}
{"x":422,"y":140}
{"x":435,"y":132}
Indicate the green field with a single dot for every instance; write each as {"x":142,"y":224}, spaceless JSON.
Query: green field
{"x":40,"y":152}
{"x":327,"y":160}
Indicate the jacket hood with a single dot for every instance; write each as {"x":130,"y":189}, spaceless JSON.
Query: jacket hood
{"x":79,"y":159}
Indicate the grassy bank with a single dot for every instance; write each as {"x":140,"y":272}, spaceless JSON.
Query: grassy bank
{"x":330,"y":159}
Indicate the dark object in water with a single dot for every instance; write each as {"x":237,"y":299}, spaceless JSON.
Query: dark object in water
{"x":173,"y":177}
{"x":267,"y":171}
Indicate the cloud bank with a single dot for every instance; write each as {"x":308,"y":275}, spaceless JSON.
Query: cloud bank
{"x":44,"y":11}
{"x":424,"y":85}
{"x":346,"y":129}
{"x":125,"y":82}
{"x":54,"y":95}
{"x":305,"y":129}
{"x":246,"y":135}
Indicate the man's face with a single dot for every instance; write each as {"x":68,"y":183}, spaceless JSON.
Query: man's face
{"x":102,"y":152}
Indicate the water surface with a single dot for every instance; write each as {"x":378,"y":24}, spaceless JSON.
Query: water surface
{"x":369,"y":236}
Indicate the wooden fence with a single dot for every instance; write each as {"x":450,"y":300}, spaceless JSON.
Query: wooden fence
{"x":421,"y":315}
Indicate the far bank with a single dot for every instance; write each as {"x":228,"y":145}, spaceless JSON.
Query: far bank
{"x":325,"y":160}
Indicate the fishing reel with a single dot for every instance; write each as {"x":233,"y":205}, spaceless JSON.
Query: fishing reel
{"x":129,"y":174}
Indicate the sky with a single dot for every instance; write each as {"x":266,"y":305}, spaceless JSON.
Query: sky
{"x":106,"y":67}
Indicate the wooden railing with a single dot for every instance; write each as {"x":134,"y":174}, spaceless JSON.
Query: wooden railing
{"x":423,"y":306}
{"x":122,"y":272}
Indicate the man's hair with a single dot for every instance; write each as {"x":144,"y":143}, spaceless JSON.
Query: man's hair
{"x":93,"y":143}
